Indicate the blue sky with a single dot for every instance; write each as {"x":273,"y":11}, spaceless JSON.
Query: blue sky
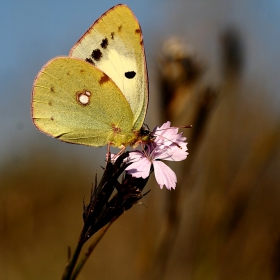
{"x":32,"y":32}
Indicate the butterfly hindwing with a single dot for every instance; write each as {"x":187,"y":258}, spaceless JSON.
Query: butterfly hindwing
{"x":114,"y":44}
{"x":78,"y":103}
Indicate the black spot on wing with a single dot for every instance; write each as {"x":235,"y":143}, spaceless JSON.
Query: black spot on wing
{"x":130,"y":74}
{"x":89,"y":60}
{"x":120,"y":28}
{"x":112,"y":35}
{"x":104,"y":43}
{"x":96,"y":54}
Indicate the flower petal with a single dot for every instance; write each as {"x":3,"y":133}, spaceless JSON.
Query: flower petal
{"x":164,"y":175}
{"x":135,"y":156}
{"x":167,"y":145}
{"x":140,"y":166}
{"x":172,"y":153}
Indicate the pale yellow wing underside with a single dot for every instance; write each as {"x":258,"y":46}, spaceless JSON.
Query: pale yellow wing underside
{"x":114,"y":44}
{"x":76,"y":102}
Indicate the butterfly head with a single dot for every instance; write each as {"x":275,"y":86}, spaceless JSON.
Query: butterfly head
{"x":143,"y":136}
{"x":146,"y":135}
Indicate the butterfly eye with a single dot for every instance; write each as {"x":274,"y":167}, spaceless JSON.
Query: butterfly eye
{"x":130,"y":74}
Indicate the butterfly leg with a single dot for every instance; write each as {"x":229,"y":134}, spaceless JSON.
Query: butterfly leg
{"x":119,"y":153}
{"x":108,"y":155}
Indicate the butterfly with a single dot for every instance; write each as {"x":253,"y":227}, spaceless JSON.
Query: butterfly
{"x":97,"y":95}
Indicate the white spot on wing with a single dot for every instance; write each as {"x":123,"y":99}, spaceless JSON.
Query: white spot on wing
{"x":84,"y":97}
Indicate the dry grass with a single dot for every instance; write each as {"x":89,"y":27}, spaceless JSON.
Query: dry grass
{"x":222,"y":222}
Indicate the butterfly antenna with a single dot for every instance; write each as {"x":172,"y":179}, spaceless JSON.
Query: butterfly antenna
{"x":185,"y":126}
{"x":169,"y":140}
{"x":172,"y":127}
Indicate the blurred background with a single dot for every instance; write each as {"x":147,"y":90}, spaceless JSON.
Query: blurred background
{"x":212,"y":64}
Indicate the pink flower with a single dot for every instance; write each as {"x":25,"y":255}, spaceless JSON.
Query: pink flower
{"x":168,"y":145}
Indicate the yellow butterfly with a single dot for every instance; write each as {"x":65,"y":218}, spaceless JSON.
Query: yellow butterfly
{"x":99,"y":94}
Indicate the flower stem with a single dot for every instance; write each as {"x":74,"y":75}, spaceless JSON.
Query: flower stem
{"x":92,"y":246}
{"x":70,"y":267}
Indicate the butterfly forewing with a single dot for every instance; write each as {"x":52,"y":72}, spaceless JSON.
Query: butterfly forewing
{"x":114,"y":44}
